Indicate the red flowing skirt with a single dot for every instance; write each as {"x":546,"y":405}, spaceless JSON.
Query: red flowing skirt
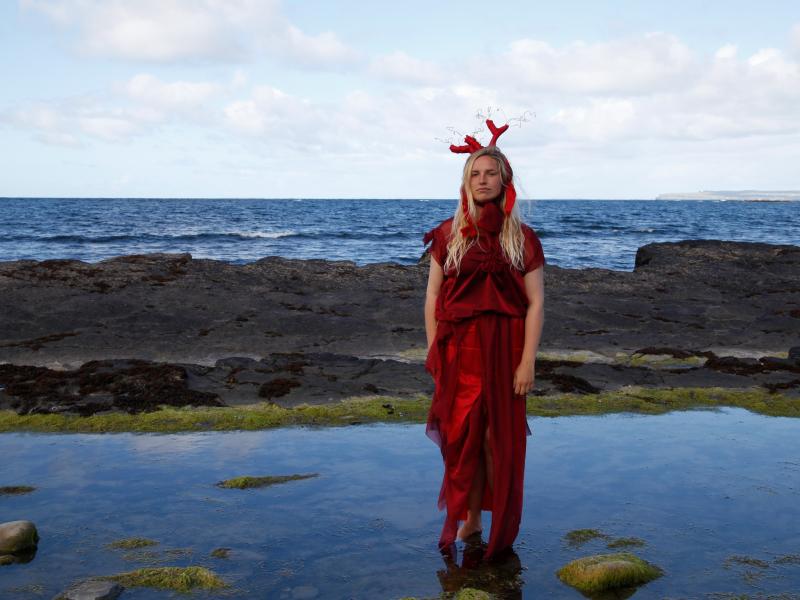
{"x":473,"y":364}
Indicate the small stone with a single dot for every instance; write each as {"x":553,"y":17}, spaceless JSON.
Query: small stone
{"x":17,"y":536}
{"x":92,"y":590}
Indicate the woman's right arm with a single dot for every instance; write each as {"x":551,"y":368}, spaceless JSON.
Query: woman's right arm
{"x":435,"y":277}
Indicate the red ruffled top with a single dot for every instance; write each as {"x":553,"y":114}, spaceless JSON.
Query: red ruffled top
{"x":486,"y":281}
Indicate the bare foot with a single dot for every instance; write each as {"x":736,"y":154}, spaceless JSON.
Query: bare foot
{"x":466,"y":530}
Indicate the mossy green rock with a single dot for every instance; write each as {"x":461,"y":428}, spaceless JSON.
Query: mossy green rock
{"x":608,"y":571}
{"x":182,"y":579}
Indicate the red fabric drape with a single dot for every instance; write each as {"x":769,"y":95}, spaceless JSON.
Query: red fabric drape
{"x":479,"y":340}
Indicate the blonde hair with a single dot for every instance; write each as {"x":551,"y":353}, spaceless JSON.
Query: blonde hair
{"x":512,"y":240}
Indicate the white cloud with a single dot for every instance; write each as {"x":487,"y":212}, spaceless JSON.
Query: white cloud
{"x":325,"y":49}
{"x":107,"y":127}
{"x":399,"y":66}
{"x":728,"y":51}
{"x":641,"y":64}
{"x":725,"y":97}
{"x":191,"y":30}
{"x":796,"y":39}
{"x":601,"y":119}
{"x":150,"y":90}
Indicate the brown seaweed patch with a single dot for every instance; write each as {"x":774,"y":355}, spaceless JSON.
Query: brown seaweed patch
{"x":131,"y":385}
{"x":277,"y":387}
{"x":16,"y":490}
{"x":132,"y":543}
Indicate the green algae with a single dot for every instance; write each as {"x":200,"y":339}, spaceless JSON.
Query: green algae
{"x":132,"y":543}
{"x":603,"y":572}
{"x":625,"y":542}
{"x":16,"y":490}
{"x":246,"y":482}
{"x":414,"y":409}
{"x":577,"y":537}
{"x":181,"y":579}
{"x":662,"y":400}
{"x":472,"y":594}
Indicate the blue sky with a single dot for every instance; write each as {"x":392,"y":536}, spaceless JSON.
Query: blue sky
{"x":246,"y":98}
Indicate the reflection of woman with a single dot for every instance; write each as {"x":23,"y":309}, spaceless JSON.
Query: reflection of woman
{"x":483,"y":319}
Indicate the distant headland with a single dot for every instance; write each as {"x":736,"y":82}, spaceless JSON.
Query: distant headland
{"x":741,"y":195}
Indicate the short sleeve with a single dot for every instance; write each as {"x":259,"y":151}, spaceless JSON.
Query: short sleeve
{"x":438,"y":237}
{"x":534,"y":254}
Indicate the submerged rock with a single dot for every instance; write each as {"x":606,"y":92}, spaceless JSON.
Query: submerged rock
{"x":94,"y":589}
{"x":603,"y":572}
{"x":255,"y":482}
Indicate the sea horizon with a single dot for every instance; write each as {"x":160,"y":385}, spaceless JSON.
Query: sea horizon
{"x":576,"y":233}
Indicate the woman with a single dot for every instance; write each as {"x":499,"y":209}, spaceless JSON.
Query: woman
{"x":483,"y":319}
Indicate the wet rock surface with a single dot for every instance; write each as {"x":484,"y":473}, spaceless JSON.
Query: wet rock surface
{"x":92,"y":590}
{"x":134,"y":332}
{"x":18,"y":537}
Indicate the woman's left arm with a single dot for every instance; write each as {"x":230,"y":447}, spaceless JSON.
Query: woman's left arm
{"x":534,"y":320}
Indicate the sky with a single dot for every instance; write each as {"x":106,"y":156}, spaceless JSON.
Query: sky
{"x":345,"y":99}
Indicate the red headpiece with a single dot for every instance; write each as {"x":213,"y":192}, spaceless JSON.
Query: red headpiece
{"x":472,"y":145}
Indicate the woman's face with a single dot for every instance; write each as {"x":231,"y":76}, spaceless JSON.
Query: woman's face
{"x":485,"y":180}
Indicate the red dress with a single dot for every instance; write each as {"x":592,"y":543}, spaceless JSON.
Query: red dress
{"x":480,"y":335}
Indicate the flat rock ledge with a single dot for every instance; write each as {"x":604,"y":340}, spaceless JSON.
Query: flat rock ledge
{"x":135,"y":332}
{"x":291,"y":379}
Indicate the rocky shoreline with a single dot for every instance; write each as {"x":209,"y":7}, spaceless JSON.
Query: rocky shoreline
{"x":134,"y":332}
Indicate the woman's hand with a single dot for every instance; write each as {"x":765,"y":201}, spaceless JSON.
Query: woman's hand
{"x":524,"y":377}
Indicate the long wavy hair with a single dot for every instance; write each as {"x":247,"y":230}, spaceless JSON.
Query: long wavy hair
{"x":512,"y":240}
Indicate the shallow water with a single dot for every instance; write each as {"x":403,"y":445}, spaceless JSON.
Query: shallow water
{"x":697,"y":486}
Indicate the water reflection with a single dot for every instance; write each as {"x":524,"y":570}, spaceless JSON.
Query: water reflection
{"x":501,"y":577}
{"x":698,"y":487}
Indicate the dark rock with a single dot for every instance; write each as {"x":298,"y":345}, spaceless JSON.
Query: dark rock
{"x":205,"y":331}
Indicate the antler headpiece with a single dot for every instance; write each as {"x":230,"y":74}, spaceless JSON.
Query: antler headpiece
{"x":472,"y":145}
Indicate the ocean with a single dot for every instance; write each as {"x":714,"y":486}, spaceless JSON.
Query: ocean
{"x":574,"y":233}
